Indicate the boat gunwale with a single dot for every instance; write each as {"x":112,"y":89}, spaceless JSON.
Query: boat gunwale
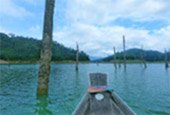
{"x":119,"y":101}
{"x":116,"y":99}
{"x":83,"y":100}
{"x":84,"y":104}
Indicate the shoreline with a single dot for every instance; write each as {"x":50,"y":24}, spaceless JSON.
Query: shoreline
{"x":71,"y":62}
{"x":37,"y":62}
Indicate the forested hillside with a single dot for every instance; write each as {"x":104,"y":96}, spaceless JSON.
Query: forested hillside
{"x":135,"y":54}
{"x":28,"y":49}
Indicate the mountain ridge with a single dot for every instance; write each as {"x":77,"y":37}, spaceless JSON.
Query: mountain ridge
{"x":135,"y":54}
{"x":27,"y":48}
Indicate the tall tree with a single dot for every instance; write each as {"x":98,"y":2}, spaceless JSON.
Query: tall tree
{"x":124,"y":54}
{"x":46,"y":53}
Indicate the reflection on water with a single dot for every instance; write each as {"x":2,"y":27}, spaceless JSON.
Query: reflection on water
{"x":42,"y":105}
{"x":147,"y":91}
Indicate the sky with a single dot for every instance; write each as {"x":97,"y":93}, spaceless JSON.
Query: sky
{"x":97,"y":25}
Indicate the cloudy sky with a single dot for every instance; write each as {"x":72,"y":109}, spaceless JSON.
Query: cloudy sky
{"x":97,"y":25}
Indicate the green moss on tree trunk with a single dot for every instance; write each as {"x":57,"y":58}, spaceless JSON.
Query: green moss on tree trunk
{"x":46,"y":53}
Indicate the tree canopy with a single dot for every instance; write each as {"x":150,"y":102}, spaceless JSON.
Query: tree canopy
{"x":28,"y":49}
{"x":135,"y":54}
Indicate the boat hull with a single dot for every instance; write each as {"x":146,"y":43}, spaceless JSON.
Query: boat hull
{"x":102,"y":103}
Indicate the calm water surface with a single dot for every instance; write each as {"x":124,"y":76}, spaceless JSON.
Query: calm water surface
{"x":146,"y":91}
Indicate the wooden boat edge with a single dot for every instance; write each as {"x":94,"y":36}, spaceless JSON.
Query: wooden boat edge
{"x":83,"y":105}
{"x":99,"y":79}
{"x":122,"y":104}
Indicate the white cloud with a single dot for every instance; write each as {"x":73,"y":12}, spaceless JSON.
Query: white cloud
{"x":163,"y":31}
{"x":99,"y":41}
{"x":87,"y":22}
{"x":8,"y":7}
{"x":3,"y":30}
{"x":35,"y":29}
{"x":89,"y":25}
{"x":104,"y":11}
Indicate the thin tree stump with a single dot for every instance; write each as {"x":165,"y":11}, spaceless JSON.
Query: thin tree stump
{"x":114,"y":57}
{"x":124,"y":53}
{"x":166,"y":60}
{"x":142,"y":57}
{"x":77,"y":57}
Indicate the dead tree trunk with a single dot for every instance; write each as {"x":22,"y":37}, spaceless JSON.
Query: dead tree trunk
{"x":166,"y":60}
{"x":77,"y":57}
{"x":46,"y":53}
{"x":142,"y":57}
{"x":119,"y":64}
{"x":114,"y":57}
{"x":124,"y":54}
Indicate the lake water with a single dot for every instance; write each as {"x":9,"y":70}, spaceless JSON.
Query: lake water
{"x":146,"y":91}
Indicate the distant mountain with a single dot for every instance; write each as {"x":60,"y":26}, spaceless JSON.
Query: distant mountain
{"x":135,"y":54}
{"x":94,"y":59}
{"x":28,"y":49}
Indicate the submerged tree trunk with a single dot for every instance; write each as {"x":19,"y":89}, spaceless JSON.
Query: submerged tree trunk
{"x":46,"y":53}
{"x":119,"y":63}
{"x":77,"y":57}
{"x":166,"y":60}
{"x":114,"y":57}
{"x":124,"y":55}
{"x":142,"y":57}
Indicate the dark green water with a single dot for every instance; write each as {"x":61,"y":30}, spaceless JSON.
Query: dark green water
{"x":146,"y":91}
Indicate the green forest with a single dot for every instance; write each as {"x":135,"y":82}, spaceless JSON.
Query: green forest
{"x":135,"y":54}
{"x":21,"y":48}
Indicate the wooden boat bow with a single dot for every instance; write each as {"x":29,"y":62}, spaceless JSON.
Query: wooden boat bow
{"x":102,"y":103}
